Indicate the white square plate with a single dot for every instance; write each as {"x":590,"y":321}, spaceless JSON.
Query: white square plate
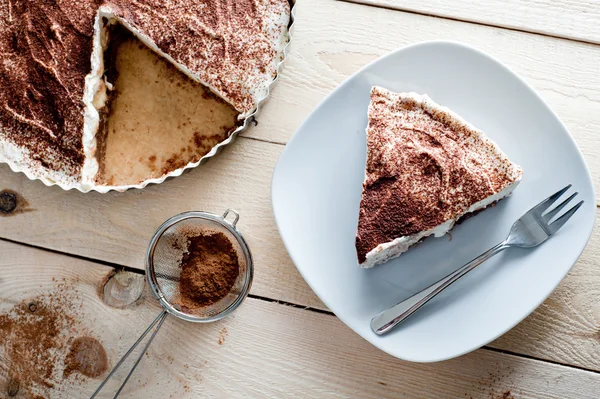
{"x":317,"y":188}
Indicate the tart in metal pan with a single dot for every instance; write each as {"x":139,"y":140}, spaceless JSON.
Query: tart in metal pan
{"x":69,"y":118}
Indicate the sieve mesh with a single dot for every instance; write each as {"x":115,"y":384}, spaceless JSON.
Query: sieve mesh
{"x":164,"y":263}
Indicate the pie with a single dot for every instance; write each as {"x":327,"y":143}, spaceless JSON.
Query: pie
{"x":115,"y":92}
{"x":426,"y":169}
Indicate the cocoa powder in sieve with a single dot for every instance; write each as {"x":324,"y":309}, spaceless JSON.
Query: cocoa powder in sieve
{"x":209,"y":270}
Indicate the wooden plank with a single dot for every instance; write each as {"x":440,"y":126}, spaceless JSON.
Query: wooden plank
{"x":269,"y":350}
{"x":566,"y":327}
{"x":117,"y":226}
{"x":573,"y":19}
{"x":340,"y":38}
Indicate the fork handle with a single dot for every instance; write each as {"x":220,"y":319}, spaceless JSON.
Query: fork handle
{"x":390,"y":318}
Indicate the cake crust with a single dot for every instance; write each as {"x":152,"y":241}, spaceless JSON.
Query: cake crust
{"x":426,"y":167}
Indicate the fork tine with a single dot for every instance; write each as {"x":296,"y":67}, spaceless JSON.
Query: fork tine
{"x":548,"y":217}
{"x":545,"y":204}
{"x":558,"y":223}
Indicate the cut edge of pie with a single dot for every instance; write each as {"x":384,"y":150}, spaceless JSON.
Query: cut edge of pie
{"x":96,"y":88}
{"x":427,"y":168}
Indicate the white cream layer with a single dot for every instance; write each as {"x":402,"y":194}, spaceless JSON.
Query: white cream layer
{"x":389,"y":250}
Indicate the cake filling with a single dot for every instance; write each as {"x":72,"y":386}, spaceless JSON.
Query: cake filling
{"x":156,"y":119}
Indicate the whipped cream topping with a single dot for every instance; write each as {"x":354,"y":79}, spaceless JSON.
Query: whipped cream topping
{"x":426,"y":167}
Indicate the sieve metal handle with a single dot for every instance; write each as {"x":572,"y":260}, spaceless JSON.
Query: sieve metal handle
{"x":158,"y":323}
{"x":237,"y":216}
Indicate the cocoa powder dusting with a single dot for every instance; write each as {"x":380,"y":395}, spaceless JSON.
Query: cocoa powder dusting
{"x":86,"y":356}
{"x":423,"y":168}
{"x":209,"y":270}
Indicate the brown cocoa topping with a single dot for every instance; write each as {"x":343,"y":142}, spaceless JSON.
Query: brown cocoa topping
{"x":423,"y":168}
{"x":46,"y":48}
{"x":209,"y":270}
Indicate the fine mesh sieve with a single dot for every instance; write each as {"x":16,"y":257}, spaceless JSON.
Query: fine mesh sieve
{"x":164,"y":256}
{"x":163,"y":269}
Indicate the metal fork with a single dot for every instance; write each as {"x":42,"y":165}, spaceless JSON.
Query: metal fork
{"x":532,"y":229}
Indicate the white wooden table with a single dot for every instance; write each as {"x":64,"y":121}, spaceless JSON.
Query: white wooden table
{"x":283,"y":342}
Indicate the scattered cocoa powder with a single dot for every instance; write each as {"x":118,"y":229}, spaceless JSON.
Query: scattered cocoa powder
{"x":86,"y":356}
{"x":34,"y":338}
{"x":30,"y":341}
{"x":222,"y":334}
{"x":493,"y":385}
{"x":209,"y":270}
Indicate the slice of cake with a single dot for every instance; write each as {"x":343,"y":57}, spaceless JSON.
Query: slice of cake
{"x":426,"y":169}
